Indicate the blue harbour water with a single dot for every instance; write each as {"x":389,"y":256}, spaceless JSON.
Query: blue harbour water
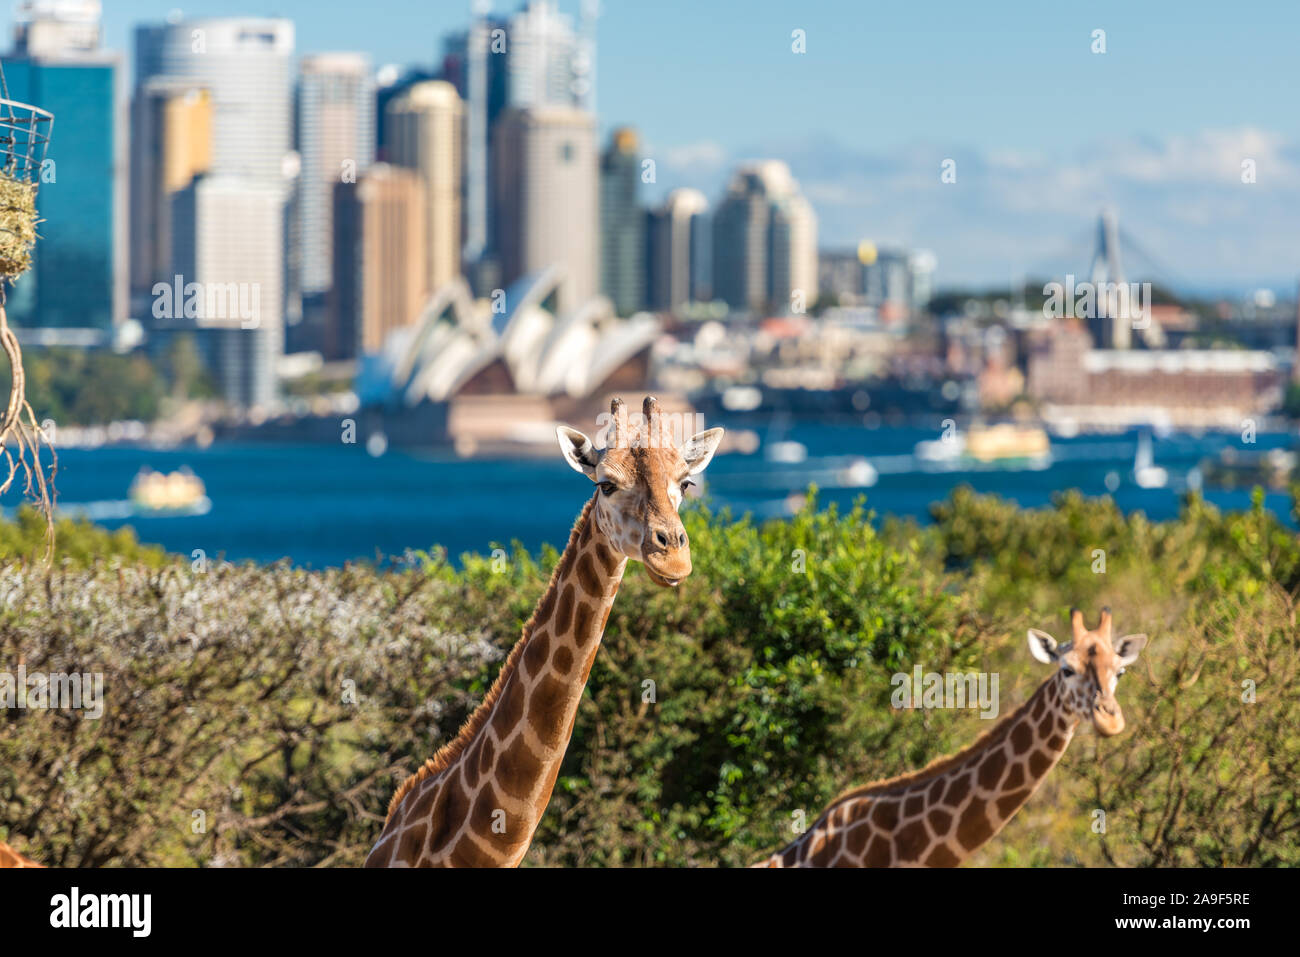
{"x":320,"y":506}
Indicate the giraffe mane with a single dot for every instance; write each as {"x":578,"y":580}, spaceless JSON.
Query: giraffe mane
{"x":946,"y":762}
{"x":445,"y":756}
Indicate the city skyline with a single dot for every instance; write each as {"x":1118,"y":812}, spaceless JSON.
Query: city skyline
{"x":1156,"y":127}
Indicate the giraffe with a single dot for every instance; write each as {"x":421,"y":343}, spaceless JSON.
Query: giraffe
{"x":939,"y":815}
{"x":478,"y":800}
{"x":11,"y":858}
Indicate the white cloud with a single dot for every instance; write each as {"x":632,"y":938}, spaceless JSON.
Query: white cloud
{"x":1180,"y":197}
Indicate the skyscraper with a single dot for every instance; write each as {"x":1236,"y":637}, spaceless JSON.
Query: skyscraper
{"x":379,"y":258}
{"x":793,"y":251}
{"x":677,"y":241}
{"x":78,"y":280}
{"x":740,"y":242}
{"x":244,"y":62}
{"x":765,"y":242}
{"x":336,"y":142}
{"x":547,"y":198}
{"x":228,"y":238}
{"x":549,"y":64}
{"x":390,"y":83}
{"x":622,"y":224}
{"x":425,"y":130}
{"x":171,"y":136}
{"x":475,"y":61}
{"x":231,"y":226}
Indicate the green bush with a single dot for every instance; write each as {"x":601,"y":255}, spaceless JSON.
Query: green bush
{"x":285,"y":705}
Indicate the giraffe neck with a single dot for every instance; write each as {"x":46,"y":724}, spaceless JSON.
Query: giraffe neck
{"x":478,"y":801}
{"x":11,"y":858}
{"x":941,"y":814}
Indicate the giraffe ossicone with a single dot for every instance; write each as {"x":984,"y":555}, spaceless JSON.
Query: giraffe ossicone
{"x":479,"y":799}
{"x":938,"y":816}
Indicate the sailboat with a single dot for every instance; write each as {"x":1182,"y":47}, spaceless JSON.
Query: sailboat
{"x":1145,"y":472}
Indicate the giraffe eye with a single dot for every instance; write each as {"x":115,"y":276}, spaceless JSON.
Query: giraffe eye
{"x":1067,"y":671}
{"x":608,"y":487}
{"x":1120,"y":672}
{"x":686,"y":483}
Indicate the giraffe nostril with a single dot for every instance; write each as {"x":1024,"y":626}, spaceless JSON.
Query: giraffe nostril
{"x":661,"y":538}
{"x":681,"y":539}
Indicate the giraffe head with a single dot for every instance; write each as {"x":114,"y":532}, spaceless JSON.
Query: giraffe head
{"x":1090,"y":665}
{"x":642,"y":476}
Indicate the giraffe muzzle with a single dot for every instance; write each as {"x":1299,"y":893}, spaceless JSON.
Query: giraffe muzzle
{"x":1107,"y":717}
{"x":669,"y":567}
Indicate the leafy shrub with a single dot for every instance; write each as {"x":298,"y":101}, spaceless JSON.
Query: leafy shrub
{"x":285,"y":705}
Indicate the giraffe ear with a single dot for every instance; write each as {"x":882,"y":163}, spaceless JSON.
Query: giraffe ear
{"x":1042,"y":646}
{"x":1128,"y":648}
{"x":578,"y":451}
{"x":699,"y":448}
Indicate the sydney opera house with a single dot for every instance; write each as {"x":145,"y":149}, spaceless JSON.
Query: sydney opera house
{"x":487,"y":373}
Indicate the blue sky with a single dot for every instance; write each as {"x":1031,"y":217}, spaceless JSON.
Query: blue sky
{"x":1043,"y":131}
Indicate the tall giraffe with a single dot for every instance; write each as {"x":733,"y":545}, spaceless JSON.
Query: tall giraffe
{"x":11,"y":858}
{"x":938,"y":816}
{"x":479,"y":799}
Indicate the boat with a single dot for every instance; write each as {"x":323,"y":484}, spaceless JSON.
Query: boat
{"x":173,"y":493}
{"x":1145,"y":472}
{"x":1005,"y":444}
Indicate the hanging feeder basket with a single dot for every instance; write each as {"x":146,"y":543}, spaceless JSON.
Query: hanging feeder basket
{"x":24,"y":140}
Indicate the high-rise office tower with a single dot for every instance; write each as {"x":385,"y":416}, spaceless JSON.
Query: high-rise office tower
{"x":764,"y":242}
{"x":171,"y":136}
{"x":425,"y":130}
{"x":336,"y":143}
{"x":228,"y":239}
{"x":475,"y":61}
{"x":547,"y":198}
{"x":245,"y":63}
{"x":622,"y":224}
{"x":740,"y":243}
{"x":793,"y":251}
{"x":57,"y":27}
{"x":677,"y":244}
{"x":549,"y":64}
{"x":391,"y":82}
{"x":78,"y":281}
{"x":231,"y":227}
{"x":379,"y":258}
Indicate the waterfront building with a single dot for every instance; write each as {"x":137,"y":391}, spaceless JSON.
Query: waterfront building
{"x":1183,"y":388}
